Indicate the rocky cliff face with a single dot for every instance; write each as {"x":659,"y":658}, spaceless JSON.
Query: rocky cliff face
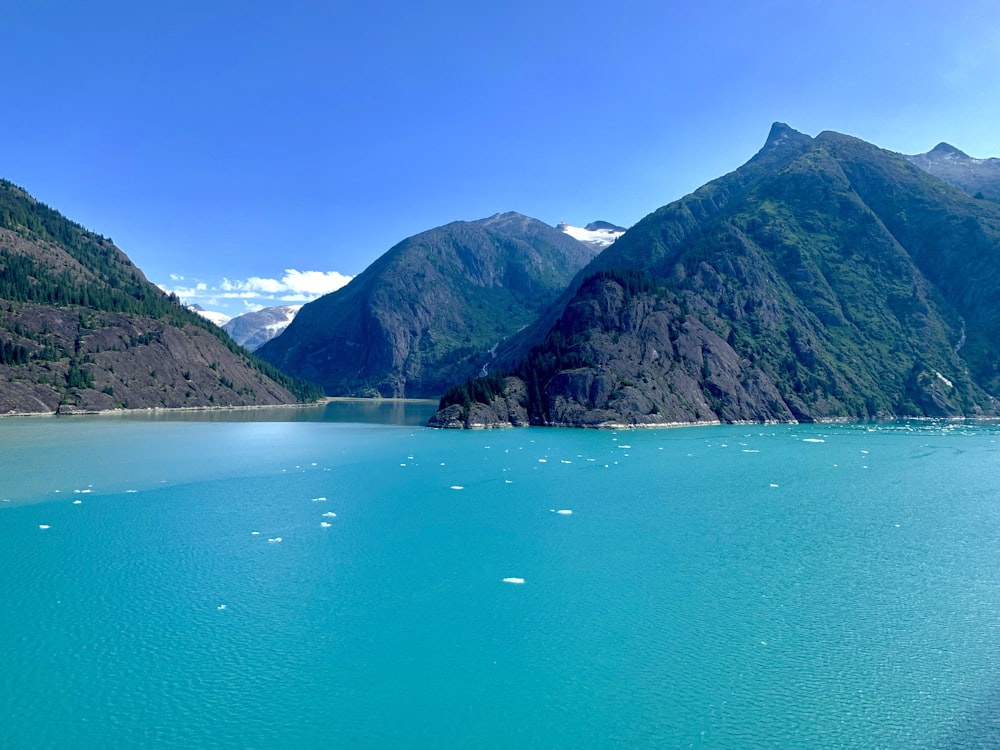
{"x":824,"y":279}
{"x":81,"y":329}
{"x":431,"y":310}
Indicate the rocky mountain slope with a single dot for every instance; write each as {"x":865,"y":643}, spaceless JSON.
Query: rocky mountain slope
{"x":826,"y":278}
{"x":81,"y":329}
{"x":254,"y":329}
{"x":431,"y":310}
{"x":977,"y":177}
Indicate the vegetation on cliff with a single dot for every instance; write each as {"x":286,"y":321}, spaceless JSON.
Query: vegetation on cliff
{"x":826,"y":278}
{"x":82,"y":329}
{"x":431,"y":311}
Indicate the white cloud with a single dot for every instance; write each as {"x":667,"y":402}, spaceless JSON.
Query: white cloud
{"x":256,"y":292}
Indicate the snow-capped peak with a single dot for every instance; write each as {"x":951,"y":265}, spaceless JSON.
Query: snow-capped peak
{"x":598,"y":233}
{"x":220,"y":319}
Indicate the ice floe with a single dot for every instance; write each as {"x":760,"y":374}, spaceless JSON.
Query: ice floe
{"x":274,"y":540}
{"x":813,"y":440}
{"x":329,"y":514}
{"x":561,"y":511}
{"x":44,"y":526}
{"x":221,"y":607}
{"x":513,"y":580}
{"x":325,"y":525}
{"x":319,"y":499}
{"x":457,"y":487}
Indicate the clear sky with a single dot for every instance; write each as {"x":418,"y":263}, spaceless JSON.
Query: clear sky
{"x":279,"y":145}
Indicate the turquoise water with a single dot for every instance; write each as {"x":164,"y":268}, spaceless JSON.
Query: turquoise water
{"x":713,"y":587}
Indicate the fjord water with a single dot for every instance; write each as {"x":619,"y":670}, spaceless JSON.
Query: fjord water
{"x":735,"y":586}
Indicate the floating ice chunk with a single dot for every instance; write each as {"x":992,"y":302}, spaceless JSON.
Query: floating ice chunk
{"x":773,"y":484}
{"x":324,"y":525}
{"x":813,"y":440}
{"x":274,"y":540}
{"x":513,"y":580}
{"x":750,"y":450}
{"x":564,"y":461}
{"x":624,"y":446}
{"x":221,"y":607}
{"x":319,"y":499}
{"x":457,"y":487}
{"x":507,"y":481}
{"x":77,"y":502}
{"x":565,"y":512}
{"x":255,"y":533}
{"x":330,"y":514}
{"x":44,"y":526}
{"x":543,"y":460}
{"x":130,"y":492}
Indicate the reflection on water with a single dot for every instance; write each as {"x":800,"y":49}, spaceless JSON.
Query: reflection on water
{"x":372,"y":411}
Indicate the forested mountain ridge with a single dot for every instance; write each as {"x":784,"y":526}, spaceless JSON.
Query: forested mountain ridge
{"x":81,"y":329}
{"x":431,"y":310}
{"x":826,"y":278}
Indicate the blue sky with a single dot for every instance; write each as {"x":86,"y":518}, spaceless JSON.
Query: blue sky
{"x":280,"y":145}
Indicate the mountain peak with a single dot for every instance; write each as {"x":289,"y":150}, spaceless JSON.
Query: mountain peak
{"x":946,"y":149}
{"x":780,"y":132}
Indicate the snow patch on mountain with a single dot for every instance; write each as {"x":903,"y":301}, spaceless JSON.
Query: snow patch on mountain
{"x":600,"y":234}
{"x":254,"y":329}
{"x":220,"y":319}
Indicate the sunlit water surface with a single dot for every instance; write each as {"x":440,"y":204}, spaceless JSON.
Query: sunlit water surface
{"x":298,"y":581}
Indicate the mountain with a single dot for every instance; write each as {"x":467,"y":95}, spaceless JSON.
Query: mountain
{"x":81,"y":329}
{"x":977,"y":177}
{"x":824,"y":279}
{"x":254,"y":329}
{"x":431,"y":310}
{"x":220,"y":319}
{"x":600,"y":234}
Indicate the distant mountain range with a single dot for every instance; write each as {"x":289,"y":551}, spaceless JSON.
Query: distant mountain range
{"x":432,"y":309}
{"x":254,"y":329}
{"x":978,"y":177}
{"x":824,"y":279}
{"x":81,"y":329}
